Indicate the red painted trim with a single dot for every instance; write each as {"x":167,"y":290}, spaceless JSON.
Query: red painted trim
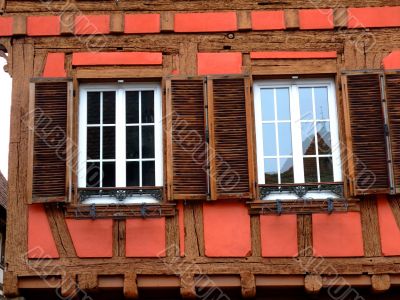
{"x":6,"y":26}
{"x":337,"y":235}
{"x":392,"y":61}
{"x":373,"y":17}
{"x":389,"y":230}
{"x":40,"y":238}
{"x":142,"y":23}
{"x":55,"y":65}
{"x":145,"y":238}
{"x":43,"y":25}
{"x":226,"y":229}
{"x":181,"y":219}
{"x":279,"y":236}
{"x":116,"y":58}
{"x":219,"y":63}
{"x":92,"y":24}
{"x":206,"y":22}
{"x":316,"y":19}
{"x":293,"y":55}
{"x":91,"y":238}
{"x":268,"y":20}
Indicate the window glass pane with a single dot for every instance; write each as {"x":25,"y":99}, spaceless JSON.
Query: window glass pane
{"x":132,"y":107}
{"x":271,"y":171}
{"x":286,"y":170}
{"x":267,"y":104}
{"x":326,"y":169}
{"x":108,"y":107}
{"x":109,"y":142}
{"x":306,"y":105}
{"x":93,"y":174}
{"x":285,"y":139}
{"x":93,"y":107}
{"x":324,"y":138}
{"x":108,"y":174}
{"x":132,"y":173}
{"x":132,"y":142}
{"x":283,"y":104}
{"x":321,"y":103}
{"x":308,"y":137}
{"x":148,"y":173}
{"x":147,"y":141}
{"x":93,"y":143}
{"x":269,"y":139}
{"x":148,"y":107}
{"x":310,"y":169}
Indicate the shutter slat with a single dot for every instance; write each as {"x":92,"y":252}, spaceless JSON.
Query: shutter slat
{"x":189,"y":176}
{"x":366,"y":119}
{"x":230,"y":138}
{"x":49,"y":159}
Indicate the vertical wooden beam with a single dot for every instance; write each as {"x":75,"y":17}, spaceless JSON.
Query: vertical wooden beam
{"x":67,"y":25}
{"x":172,"y":236}
{"x":19,"y":25}
{"x":188,"y":287}
{"x":2,"y":6}
{"x":121,"y":238}
{"x":130,"y":286}
{"x":194,"y":238}
{"x":255,"y":235}
{"x":304,"y":235}
{"x":117,"y":23}
{"x":69,"y":288}
{"x":340,"y":17}
{"x":244,"y":20}
{"x":188,"y":59}
{"x":370,"y":227}
{"x":87,"y":281}
{"x":10,"y":287}
{"x":167,"y":21}
{"x":292,"y":19}
{"x":248,"y":285}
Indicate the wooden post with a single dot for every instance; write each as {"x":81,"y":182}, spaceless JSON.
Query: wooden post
{"x":313,"y":283}
{"x":130,"y":286}
{"x":380,"y":283}
{"x":188,"y":288}
{"x":248,"y":282}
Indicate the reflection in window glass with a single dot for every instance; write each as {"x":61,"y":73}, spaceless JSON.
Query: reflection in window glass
{"x":271,"y":170}
{"x":267,"y":104}
{"x":269,"y":139}
{"x":321,"y":103}
{"x":306,"y":103}
{"x":285,"y":139}
{"x":286,"y":170}
{"x":283,"y":104}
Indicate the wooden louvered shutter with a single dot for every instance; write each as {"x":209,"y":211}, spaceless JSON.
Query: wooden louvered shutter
{"x":393,"y":111}
{"x":186,"y":141}
{"x":367,"y":156}
{"x":49,"y":132}
{"x":230,"y":119}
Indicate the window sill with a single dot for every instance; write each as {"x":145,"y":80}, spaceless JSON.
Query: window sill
{"x":120,"y":211}
{"x":302,"y":206}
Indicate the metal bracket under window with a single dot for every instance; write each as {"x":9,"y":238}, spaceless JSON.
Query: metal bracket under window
{"x":330,"y":205}
{"x":279,"y":208}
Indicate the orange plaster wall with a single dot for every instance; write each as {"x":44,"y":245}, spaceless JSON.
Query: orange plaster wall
{"x":373,"y":17}
{"x":40,"y":238}
{"x":219,"y":63}
{"x":145,"y":238}
{"x":392,"y":61}
{"x":337,"y":235}
{"x":279,"y":236}
{"x":268,"y":20}
{"x":206,"y":22}
{"x":43,"y":25}
{"x":92,"y":24}
{"x":142,"y":23}
{"x":293,"y":54}
{"x":6,"y":26}
{"x":389,"y":230}
{"x":316,"y":19}
{"x":91,"y":238}
{"x":55,"y":65}
{"x":226,"y":229}
{"x":116,"y":58}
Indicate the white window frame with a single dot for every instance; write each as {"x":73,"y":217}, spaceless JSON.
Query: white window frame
{"x":120,"y":138}
{"x":293,"y":85}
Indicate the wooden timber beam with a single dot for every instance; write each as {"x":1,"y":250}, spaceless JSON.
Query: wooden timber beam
{"x":130,"y":286}
{"x":313,"y":283}
{"x":188,"y":288}
{"x":248,"y":283}
{"x":380,"y":283}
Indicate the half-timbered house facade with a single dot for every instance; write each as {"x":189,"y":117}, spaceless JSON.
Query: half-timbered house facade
{"x":203,"y":149}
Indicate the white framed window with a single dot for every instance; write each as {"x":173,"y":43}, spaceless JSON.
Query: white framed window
{"x":297,"y":132}
{"x":120,"y":138}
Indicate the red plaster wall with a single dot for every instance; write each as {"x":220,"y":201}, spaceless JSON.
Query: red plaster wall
{"x":226,"y":229}
{"x":91,"y":238}
{"x":6,"y":26}
{"x":116,"y":58}
{"x":145,"y":238}
{"x":43,"y":25}
{"x":279,"y":236}
{"x":206,"y":22}
{"x":92,"y":24}
{"x":142,"y":23}
{"x":373,"y":17}
{"x":293,"y":54}
{"x":316,"y":19}
{"x":337,"y":235}
{"x":392,"y":61}
{"x":55,"y":65}
{"x":389,"y":230}
{"x":268,"y":20}
{"x":219,"y":63}
{"x":40,"y":238}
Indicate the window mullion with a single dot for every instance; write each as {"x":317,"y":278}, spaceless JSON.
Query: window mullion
{"x":158,"y":140}
{"x":297,"y":143}
{"x":82,"y":170}
{"x":101,"y":140}
{"x":278,"y":161}
{"x":316,"y":134}
{"x":140,"y":140}
{"x":120,"y":140}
